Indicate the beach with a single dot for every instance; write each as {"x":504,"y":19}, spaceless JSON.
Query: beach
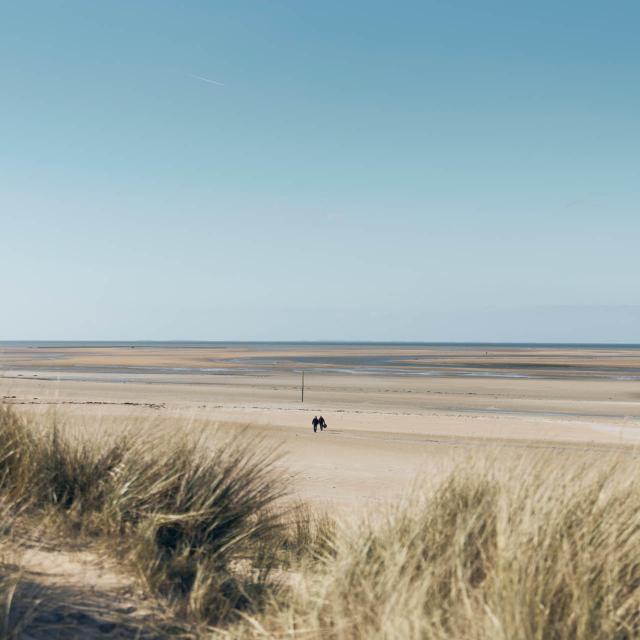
{"x":396,"y":413}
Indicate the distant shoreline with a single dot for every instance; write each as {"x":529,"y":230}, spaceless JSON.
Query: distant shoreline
{"x":194,"y":344}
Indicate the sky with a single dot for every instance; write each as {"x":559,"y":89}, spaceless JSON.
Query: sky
{"x":423,"y":171}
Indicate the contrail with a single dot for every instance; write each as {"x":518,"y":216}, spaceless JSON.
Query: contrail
{"x":209,"y":80}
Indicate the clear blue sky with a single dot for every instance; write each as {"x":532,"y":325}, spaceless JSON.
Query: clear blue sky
{"x":450,"y":170}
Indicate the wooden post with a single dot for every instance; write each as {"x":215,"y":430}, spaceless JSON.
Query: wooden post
{"x":303,"y":385}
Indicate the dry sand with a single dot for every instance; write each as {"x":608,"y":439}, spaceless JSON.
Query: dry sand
{"x":385,"y":431}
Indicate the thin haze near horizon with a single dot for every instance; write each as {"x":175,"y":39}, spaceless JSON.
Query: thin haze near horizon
{"x":350,"y":171}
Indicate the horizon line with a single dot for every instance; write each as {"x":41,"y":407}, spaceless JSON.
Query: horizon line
{"x":329,"y":342}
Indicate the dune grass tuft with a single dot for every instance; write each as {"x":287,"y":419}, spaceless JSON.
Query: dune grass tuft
{"x":194,"y":519}
{"x":533,"y":549}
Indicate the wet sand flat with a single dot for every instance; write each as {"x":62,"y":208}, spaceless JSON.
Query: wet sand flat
{"x":491,"y":361}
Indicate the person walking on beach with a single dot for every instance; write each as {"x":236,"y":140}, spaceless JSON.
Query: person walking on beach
{"x":315,"y":422}
{"x":323,"y":424}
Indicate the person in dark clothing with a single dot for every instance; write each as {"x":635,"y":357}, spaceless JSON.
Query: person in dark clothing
{"x":315,"y":422}
{"x":323,"y":424}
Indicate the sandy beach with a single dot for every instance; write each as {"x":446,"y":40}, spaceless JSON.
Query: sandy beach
{"x":396,"y":414}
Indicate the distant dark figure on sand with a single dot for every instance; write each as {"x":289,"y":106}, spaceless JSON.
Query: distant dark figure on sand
{"x":323,"y":424}
{"x":315,"y":422}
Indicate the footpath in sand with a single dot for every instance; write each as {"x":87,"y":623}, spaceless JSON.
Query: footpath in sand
{"x":74,"y":591}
